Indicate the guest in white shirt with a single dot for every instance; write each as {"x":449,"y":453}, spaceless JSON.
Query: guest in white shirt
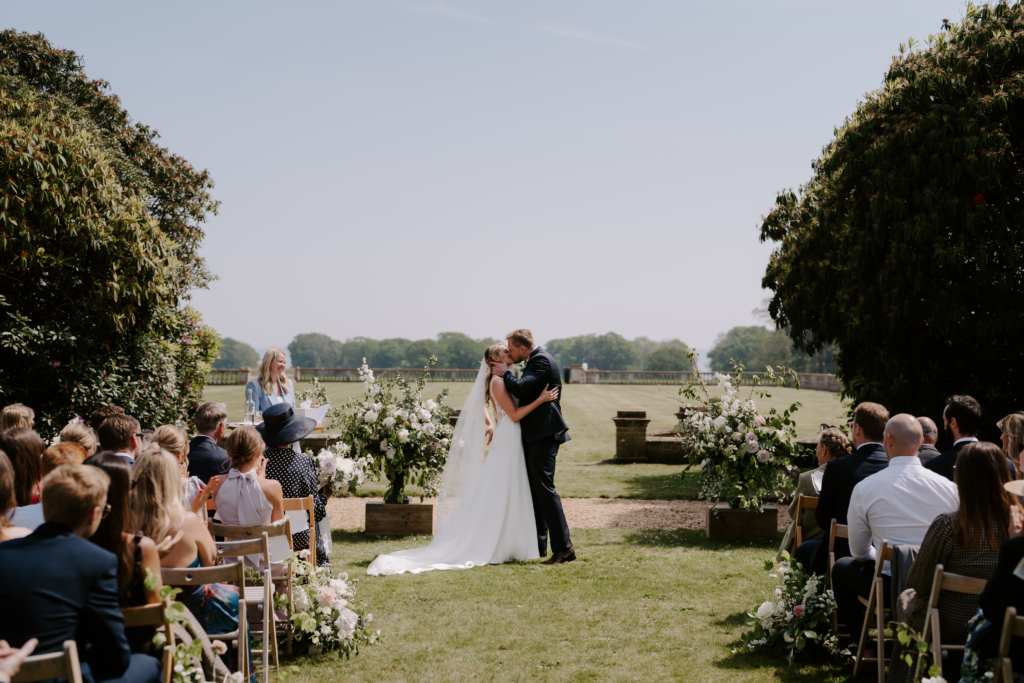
{"x":897,"y":504}
{"x":121,"y":435}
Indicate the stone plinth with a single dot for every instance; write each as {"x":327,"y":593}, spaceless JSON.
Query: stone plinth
{"x":723,"y":523}
{"x":383,"y":519}
{"x":631,"y":436}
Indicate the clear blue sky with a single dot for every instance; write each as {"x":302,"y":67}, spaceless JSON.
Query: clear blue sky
{"x":406,"y":168}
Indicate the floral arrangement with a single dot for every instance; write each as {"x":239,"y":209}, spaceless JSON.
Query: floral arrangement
{"x":336,"y":472}
{"x":744,"y":456}
{"x":187,"y":658}
{"x":797,"y":618}
{"x":324,"y":614}
{"x":316,"y":394}
{"x":396,"y":433}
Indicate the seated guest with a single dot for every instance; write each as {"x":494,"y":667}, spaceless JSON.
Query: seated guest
{"x":69,"y":453}
{"x":206,"y":458}
{"x":247,"y":497}
{"x":927,"y":451}
{"x":898,"y":504}
{"x":8,"y":503}
{"x":174,"y":440}
{"x":272,"y":387}
{"x":1004,"y":589}
{"x":17,"y":415}
{"x":25,"y":450}
{"x":281,"y":429}
{"x":159,"y":509}
{"x":1012,"y":436}
{"x":121,"y":435}
{"x":101,"y":414}
{"x":962,"y":419}
{"x":964,"y":542}
{"x":55,"y":585}
{"x":837,"y":483}
{"x":82,"y":434}
{"x":832,"y":444}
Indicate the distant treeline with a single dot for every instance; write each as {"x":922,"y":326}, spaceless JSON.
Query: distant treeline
{"x":754,"y":346}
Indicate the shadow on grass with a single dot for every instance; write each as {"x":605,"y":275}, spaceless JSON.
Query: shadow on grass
{"x":663,"y":486}
{"x":694,"y":538}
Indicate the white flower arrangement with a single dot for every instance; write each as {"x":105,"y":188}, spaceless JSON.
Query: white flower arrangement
{"x":337,"y":472}
{"x":324,"y":612}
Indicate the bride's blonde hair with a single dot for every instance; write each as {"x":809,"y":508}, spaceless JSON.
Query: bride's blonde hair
{"x":490,"y":353}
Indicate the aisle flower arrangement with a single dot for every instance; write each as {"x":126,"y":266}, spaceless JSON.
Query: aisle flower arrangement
{"x":338,"y":473}
{"x":395,"y":432}
{"x":324,"y":612}
{"x":744,"y":456}
{"x":796,"y":619}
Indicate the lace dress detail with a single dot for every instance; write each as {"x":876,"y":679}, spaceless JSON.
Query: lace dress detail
{"x":499,"y":414}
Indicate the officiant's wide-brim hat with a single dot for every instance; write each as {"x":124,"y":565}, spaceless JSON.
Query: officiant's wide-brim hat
{"x":281,"y":426}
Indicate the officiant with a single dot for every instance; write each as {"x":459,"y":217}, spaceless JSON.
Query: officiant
{"x":271,"y":387}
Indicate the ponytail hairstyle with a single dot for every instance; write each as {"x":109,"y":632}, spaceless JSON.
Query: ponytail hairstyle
{"x":489,"y":354}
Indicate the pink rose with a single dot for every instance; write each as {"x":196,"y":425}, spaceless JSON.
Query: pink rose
{"x":326,"y":596}
{"x":798,"y":611}
{"x":759,"y":420}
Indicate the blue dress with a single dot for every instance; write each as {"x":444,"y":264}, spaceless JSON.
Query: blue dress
{"x":263,"y":399}
{"x":215,"y":605}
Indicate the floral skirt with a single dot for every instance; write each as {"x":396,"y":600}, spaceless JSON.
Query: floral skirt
{"x":976,"y":668}
{"x":214,"y":605}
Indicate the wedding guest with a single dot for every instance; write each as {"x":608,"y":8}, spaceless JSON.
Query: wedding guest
{"x":206,"y":458}
{"x":927,"y":451}
{"x":832,"y":444}
{"x":25,"y":450}
{"x":964,"y":542}
{"x":247,"y":497}
{"x":174,"y":440}
{"x":82,"y":434}
{"x":272,"y":387}
{"x":159,"y":508}
{"x":69,"y":453}
{"x":121,"y":435}
{"x":101,"y":414}
{"x":55,"y":585}
{"x":7,"y":502}
{"x":840,"y":477}
{"x":962,"y":420}
{"x":281,"y":429}
{"x":898,"y":504}
{"x":1012,"y":437}
{"x":17,"y":415}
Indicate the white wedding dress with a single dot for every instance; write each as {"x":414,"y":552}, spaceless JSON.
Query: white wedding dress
{"x":488,"y":517}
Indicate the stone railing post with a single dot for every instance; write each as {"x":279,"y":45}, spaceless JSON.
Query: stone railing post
{"x":631,"y":435}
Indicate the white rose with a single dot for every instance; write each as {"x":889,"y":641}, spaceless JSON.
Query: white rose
{"x":429,"y":429}
{"x":415,"y":425}
{"x":763,"y":456}
{"x":342,"y":448}
{"x":751,"y":437}
{"x":390,"y":454}
{"x":370,"y":416}
{"x":328,"y":464}
{"x":400,"y":414}
{"x":384,"y":445}
{"x":430,"y":405}
{"x":377,"y":407}
{"x":753,"y":446}
{"x":719,"y":422}
{"x":346,"y":623}
{"x":389,"y":422}
{"x":444,"y":442}
{"x":424,"y":414}
{"x":403,"y":435}
{"x":765,"y":610}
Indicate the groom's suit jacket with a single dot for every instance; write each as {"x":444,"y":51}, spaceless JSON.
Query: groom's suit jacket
{"x":541,"y":370}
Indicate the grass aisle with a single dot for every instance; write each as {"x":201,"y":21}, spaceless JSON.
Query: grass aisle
{"x":657,"y":605}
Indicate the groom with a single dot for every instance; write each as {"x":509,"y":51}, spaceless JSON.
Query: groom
{"x":543,"y":431}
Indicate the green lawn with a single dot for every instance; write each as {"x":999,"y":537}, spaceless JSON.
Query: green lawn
{"x":589,"y":409}
{"x":651,"y":606}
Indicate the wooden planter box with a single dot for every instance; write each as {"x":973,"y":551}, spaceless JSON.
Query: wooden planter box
{"x":399,"y":520}
{"x":733,"y":525}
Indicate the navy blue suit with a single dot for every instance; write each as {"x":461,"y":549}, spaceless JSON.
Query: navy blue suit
{"x":543,"y":431}
{"x":206,"y":459}
{"x":945,"y":463}
{"x":56,"y":586}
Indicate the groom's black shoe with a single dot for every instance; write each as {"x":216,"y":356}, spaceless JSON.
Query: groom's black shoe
{"x":561,"y":558}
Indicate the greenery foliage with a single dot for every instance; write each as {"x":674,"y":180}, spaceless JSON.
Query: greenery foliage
{"x":757,"y":347}
{"x":452,"y":349}
{"x":904,"y":248}
{"x":99,"y":229}
{"x":612,"y":351}
{"x":236,"y":354}
{"x":315,"y":350}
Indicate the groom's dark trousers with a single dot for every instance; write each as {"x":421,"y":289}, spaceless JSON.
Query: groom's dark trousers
{"x":544,"y":430}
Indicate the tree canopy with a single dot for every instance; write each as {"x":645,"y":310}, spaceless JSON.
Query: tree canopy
{"x":315,"y":350}
{"x":236,"y":354}
{"x":757,"y":347}
{"x":904,"y":248}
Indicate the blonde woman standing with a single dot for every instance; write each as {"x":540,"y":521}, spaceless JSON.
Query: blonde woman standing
{"x":272,"y":387}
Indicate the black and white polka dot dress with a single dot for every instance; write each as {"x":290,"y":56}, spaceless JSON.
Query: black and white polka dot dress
{"x":297,"y":475}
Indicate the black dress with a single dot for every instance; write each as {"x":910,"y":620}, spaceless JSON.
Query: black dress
{"x":297,"y":475}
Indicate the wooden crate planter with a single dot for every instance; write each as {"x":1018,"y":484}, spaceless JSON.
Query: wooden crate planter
{"x":399,"y":520}
{"x":723,"y":523}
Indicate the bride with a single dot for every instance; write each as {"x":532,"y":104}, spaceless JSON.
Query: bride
{"x":485,"y":512}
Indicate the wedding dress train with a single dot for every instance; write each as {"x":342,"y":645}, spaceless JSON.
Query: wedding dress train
{"x":492,"y":521}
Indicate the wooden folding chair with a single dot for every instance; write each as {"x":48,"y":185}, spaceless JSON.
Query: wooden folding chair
{"x":875,"y":610}
{"x":307,"y":505}
{"x":153,"y":615}
{"x":944,"y":581}
{"x":1012,"y":626}
{"x":228,"y":573}
{"x":54,"y":665}
{"x":835,"y":531}
{"x":803,"y":503}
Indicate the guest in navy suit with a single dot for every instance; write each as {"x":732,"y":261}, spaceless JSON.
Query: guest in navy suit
{"x":962,"y":419}
{"x":55,"y":585}
{"x":205,"y":458}
{"x":841,"y":476}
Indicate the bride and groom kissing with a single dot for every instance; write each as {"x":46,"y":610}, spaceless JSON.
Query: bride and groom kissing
{"x":504,"y":506}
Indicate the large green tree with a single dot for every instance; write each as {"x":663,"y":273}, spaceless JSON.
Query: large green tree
{"x":315,"y":350}
{"x":905,"y":247}
{"x":99,"y":230}
{"x":236,"y":354}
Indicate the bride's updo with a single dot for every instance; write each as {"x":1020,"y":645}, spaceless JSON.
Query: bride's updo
{"x":489,"y":354}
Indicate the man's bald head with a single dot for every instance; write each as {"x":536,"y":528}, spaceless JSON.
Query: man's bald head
{"x":929,"y":429}
{"x":903,"y":435}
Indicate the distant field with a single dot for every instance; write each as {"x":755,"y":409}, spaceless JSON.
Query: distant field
{"x":589,"y":409}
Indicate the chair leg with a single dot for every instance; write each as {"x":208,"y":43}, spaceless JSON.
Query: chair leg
{"x":243,"y":640}
{"x":880,"y":629}
{"x":267,"y":605}
{"x":864,"y":631}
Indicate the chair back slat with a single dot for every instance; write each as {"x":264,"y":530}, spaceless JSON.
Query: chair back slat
{"x":308,"y":505}
{"x":241,"y":548}
{"x":146,"y":615}
{"x":810,"y":502}
{"x":837,"y":531}
{"x":962,"y":584}
{"x":63,"y":664}
{"x":279,"y":528}
{"x":198,"y":576}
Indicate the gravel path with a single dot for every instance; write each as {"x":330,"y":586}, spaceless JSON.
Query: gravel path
{"x":581,"y":513}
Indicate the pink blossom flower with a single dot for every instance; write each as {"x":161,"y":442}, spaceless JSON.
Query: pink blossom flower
{"x":798,"y":611}
{"x":759,"y":420}
{"x":327,"y":596}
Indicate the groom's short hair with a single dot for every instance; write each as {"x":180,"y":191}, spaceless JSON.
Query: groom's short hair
{"x":521,"y":338}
